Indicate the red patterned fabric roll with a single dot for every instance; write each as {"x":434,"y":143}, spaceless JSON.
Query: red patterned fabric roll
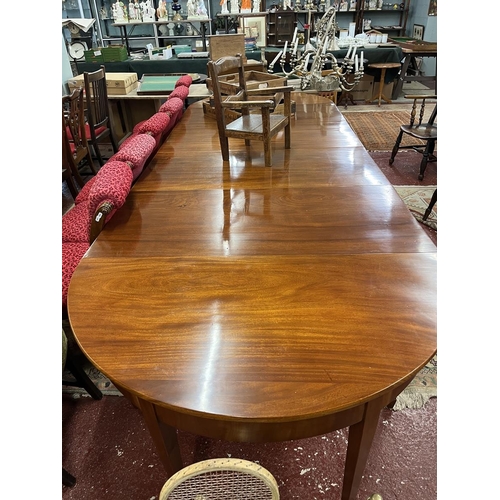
{"x":136,"y":152}
{"x":185,"y":80}
{"x":72,"y":253}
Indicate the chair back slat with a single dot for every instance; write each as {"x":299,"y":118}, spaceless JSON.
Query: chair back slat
{"x":223,"y":66}
{"x":75,"y":146}
{"x":97,"y":98}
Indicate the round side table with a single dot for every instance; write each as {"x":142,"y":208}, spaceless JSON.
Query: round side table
{"x":382,"y":67}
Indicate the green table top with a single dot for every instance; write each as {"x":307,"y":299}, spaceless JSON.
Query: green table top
{"x":160,"y":84}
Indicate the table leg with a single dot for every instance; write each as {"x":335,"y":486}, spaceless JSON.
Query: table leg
{"x":204,"y":35}
{"x":164,"y":438}
{"x":399,"y":87}
{"x":358,"y":448}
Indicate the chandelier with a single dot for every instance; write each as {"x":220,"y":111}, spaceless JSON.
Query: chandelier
{"x":339,"y":77}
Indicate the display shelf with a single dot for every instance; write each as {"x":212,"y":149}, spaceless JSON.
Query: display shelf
{"x":199,"y":32}
{"x":386,"y":19}
{"x":111,"y":32}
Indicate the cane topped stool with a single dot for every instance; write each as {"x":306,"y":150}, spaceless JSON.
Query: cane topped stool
{"x":383,"y":67}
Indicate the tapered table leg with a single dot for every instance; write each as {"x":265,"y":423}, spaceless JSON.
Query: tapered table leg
{"x":164,"y":438}
{"x":358,"y":448}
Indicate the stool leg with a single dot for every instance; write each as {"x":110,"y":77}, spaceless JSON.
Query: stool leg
{"x":381,"y":86}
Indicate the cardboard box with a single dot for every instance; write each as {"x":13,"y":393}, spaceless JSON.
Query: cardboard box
{"x":254,"y":80}
{"x":386,"y":90}
{"x":116,"y":83}
{"x":364,"y":89}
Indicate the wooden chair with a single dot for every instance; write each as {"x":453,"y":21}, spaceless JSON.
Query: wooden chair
{"x":75,"y":145}
{"x":230,"y":45}
{"x":424,"y":131}
{"x":262,"y":125}
{"x":98,"y":112}
{"x":72,"y":363}
{"x":221,"y":478}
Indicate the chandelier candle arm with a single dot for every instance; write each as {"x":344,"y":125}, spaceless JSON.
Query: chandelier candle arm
{"x":344,"y":77}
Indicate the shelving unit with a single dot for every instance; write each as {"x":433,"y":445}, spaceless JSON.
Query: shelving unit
{"x":280,"y":27}
{"x":386,"y":19}
{"x":199,"y":31}
{"x":110,"y":32}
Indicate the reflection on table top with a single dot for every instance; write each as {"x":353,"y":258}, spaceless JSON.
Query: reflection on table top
{"x":317,"y":252}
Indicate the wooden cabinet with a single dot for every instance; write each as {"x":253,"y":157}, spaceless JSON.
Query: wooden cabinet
{"x":280,"y":27}
{"x":385,"y":16}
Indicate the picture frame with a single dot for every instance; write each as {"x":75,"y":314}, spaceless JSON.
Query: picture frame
{"x":418,"y":32}
{"x":258,"y":24}
{"x":433,"y":9}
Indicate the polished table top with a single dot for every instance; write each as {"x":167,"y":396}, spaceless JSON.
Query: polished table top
{"x":257,"y":304}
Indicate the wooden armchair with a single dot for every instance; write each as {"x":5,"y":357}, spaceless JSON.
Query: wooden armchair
{"x":426,"y":132}
{"x":261,"y":124}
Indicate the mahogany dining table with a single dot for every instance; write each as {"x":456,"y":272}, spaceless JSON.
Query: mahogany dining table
{"x":257,"y":304}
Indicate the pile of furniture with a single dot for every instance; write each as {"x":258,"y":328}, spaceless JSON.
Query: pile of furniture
{"x":107,"y":191}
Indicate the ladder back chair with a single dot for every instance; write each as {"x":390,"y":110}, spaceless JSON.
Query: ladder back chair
{"x":426,"y":132}
{"x":98,"y":112}
{"x":75,"y":145}
{"x":254,"y":107}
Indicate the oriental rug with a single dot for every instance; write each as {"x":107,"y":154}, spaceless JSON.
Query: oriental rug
{"x":417,"y":199}
{"x":378,"y":131}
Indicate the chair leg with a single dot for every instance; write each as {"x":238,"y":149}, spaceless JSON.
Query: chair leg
{"x":82,"y":378}
{"x":224,"y":147}
{"x":68,"y":177}
{"x":268,"y":160}
{"x":68,"y":479}
{"x":425,"y":159}
{"x":91,"y":162}
{"x":396,"y":147}
{"x":113,"y":142}
{"x":431,"y":205}
{"x":288,"y":137}
{"x":97,"y":152}
{"x":431,"y":151}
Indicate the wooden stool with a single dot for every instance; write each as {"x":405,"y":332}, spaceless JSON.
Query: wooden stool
{"x":382,"y":67}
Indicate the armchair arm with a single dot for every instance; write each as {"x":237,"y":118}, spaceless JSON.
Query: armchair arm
{"x":248,"y":104}
{"x":99,"y":219}
{"x":270,"y":90}
{"x":108,"y":193}
{"x":414,"y":96}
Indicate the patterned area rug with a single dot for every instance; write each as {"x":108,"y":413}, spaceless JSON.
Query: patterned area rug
{"x":421,"y":388}
{"x":417,"y":200}
{"x":378,"y":131}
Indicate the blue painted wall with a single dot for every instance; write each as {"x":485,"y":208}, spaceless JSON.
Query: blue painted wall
{"x":418,"y":14}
